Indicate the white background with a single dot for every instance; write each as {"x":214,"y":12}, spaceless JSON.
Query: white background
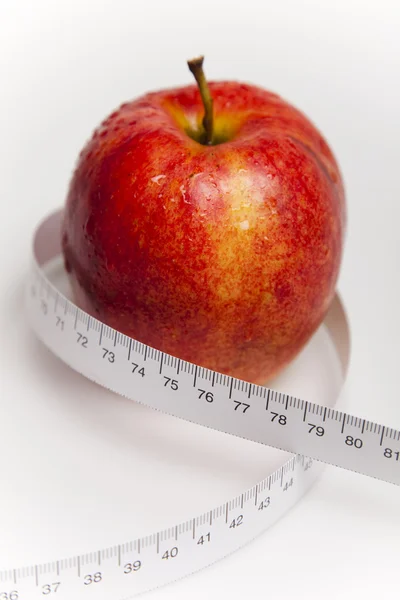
{"x":63,"y":67}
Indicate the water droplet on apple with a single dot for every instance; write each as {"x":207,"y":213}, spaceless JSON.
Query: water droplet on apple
{"x":157,"y":178}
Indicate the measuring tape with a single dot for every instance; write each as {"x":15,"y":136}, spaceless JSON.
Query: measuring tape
{"x":211,"y":399}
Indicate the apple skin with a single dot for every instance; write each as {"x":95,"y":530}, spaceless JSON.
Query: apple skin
{"x":226,"y":255}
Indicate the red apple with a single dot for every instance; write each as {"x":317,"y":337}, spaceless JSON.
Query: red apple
{"x":217,"y":240}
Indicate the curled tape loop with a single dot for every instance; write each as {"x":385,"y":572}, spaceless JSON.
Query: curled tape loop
{"x":238,"y":408}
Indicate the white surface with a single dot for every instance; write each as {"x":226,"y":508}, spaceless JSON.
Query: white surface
{"x":66,"y":65}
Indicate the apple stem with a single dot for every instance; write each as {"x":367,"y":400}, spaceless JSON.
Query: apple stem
{"x":196,"y":67}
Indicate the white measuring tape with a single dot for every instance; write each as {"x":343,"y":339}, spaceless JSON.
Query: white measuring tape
{"x":178,"y":388}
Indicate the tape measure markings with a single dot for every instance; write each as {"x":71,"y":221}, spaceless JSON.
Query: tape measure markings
{"x":191,"y":526}
{"x":281,"y":421}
